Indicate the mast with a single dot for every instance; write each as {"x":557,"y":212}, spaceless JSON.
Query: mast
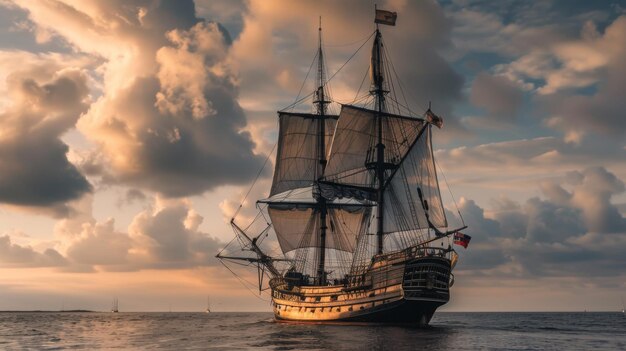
{"x":320,"y":103}
{"x":379,"y":94}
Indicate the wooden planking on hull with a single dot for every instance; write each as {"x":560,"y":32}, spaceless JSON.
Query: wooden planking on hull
{"x":402,"y":311}
{"x":409,"y":292}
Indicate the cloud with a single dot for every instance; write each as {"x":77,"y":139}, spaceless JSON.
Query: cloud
{"x":99,"y":244}
{"x":578,"y":81}
{"x":165,"y":235}
{"x":16,"y":256}
{"x":498,"y":96}
{"x":168,"y":237}
{"x":133,"y":195}
{"x":227,"y":12}
{"x":279,"y":40}
{"x":571,"y":232}
{"x":167,"y":119}
{"x":46,"y":99}
{"x":503,"y":165}
{"x":569,"y":58}
{"x":593,"y":196}
{"x":556,"y":235}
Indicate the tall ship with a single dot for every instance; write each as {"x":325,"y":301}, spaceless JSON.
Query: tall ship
{"x":354,"y":228}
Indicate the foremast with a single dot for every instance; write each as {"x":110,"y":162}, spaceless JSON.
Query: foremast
{"x":297,"y":168}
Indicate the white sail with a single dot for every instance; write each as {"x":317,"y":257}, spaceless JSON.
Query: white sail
{"x":296,"y":226}
{"x":404,"y":209}
{"x":297,"y":159}
{"x":354,"y":144}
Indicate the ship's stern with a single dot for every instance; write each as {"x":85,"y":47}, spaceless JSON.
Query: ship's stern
{"x":426,"y":284}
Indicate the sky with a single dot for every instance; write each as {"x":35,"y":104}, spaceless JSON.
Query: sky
{"x":130,"y":132}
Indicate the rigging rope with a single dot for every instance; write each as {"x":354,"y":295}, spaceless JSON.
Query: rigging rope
{"x":255,"y":180}
{"x":331,"y":77}
{"x":303,"y":83}
{"x":450,"y":190}
{"x":349,"y":44}
{"x":360,"y":86}
{"x":350,"y":58}
{"x":243,"y":282}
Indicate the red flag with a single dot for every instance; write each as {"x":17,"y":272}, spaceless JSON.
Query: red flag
{"x":462,"y":239}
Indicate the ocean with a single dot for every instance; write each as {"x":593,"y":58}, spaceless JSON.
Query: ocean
{"x":258,"y":331}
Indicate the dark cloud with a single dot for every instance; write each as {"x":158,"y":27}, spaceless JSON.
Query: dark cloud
{"x":179,"y":155}
{"x":475,"y":219}
{"x":168,"y":119}
{"x":574,"y":232}
{"x":34,"y":168}
{"x":550,"y":223}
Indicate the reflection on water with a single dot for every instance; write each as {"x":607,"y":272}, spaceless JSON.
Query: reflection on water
{"x":361,"y":337}
{"x":244,"y":331}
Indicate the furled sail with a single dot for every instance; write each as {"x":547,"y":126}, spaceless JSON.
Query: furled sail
{"x":297,"y":159}
{"x":308,"y":197}
{"x":405,"y":209}
{"x":296,"y":226}
{"x":353,"y":149}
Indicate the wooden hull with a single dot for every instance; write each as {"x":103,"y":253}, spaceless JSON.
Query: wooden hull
{"x":393,"y":290}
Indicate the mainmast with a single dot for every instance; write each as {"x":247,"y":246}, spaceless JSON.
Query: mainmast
{"x":379,"y":94}
{"x":321,"y":103}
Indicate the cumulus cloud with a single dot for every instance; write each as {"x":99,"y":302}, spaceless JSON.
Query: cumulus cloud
{"x":46,"y":99}
{"x":166,"y":235}
{"x":13,"y":255}
{"x":168,"y":119}
{"x":569,"y":232}
{"x":99,"y":244}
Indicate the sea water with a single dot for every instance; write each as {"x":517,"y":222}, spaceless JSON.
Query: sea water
{"x":258,"y":331}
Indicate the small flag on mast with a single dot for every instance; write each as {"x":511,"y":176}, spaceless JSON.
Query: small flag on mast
{"x":462,"y":239}
{"x":433,"y":118}
{"x":386,"y":17}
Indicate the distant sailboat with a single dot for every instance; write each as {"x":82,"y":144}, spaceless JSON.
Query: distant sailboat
{"x":115,"y":308}
{"x":208,"y":304}
{"x":623,"y":310}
